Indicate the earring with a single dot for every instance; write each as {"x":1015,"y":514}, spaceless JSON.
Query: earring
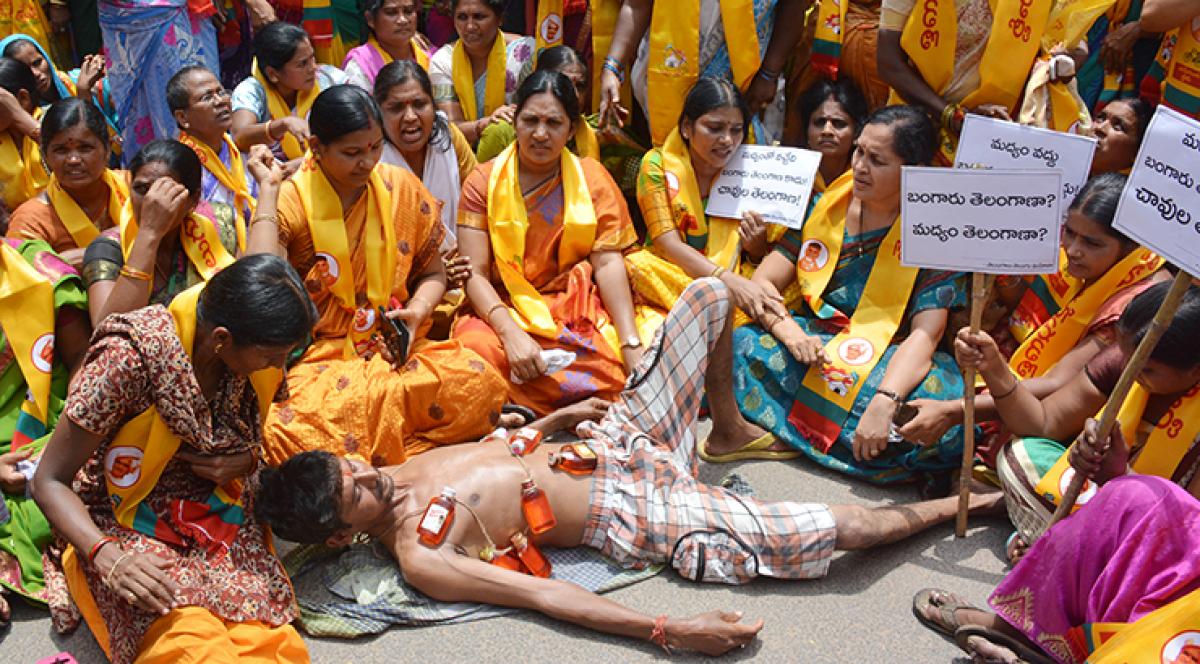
{"x":186,"y":125}
{"x":217,"y":350}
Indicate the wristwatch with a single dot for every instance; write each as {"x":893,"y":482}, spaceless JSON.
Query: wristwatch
{"x":631,"y":342}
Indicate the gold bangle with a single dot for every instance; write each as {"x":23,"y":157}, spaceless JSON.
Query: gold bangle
{"x":488,"y":315}
{"x":265,"y":217}
{"x":716,"y":274}
{"x":120,"y":559}
{"x":134,"y":273}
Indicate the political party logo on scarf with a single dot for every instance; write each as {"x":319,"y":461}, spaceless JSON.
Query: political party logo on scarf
{"x":364,"y":319}
{"x":1183,"y":648}
{"x":833,"y":22}
{"x":551,"y":28}
{"x":856,"y":351}
{"x":813,"y":256}
{"x":839,"y":380}
{"x":42,"y":353}
{"x":674,"y":59}
{"x":123,"y":466}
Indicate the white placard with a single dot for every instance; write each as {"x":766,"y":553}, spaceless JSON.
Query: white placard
{"x":1160,"y":207}
{"x":999,"y":222}
{"x":774,"y":182}
{"x":997,"y":144}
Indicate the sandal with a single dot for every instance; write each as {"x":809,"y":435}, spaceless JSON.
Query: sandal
{"x":513,"y":409}
{"x":1025,"y":654}
{"x":946,"y":607}
{"x":759,"y":449}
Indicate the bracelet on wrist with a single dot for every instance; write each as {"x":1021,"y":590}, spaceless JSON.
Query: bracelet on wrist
{"x":768,"y":75}
{"x":889,"y":394}
{"x":134,"y":273}
{"x":716,"y":274}
{"x":107,"y":539}
{"x":613,"y":65}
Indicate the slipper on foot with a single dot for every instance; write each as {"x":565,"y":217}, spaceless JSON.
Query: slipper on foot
{"x":949,"y":623}
{"x":759,"y":449}
{"x":1025,"y":654}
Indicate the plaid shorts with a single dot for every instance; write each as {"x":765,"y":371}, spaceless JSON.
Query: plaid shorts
{"x":646,"y":504}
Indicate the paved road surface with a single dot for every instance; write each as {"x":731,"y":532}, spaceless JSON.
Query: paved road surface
{"x":859,"y":613}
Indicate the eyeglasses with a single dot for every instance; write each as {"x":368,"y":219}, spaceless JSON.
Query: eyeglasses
{"x":212,"y":96}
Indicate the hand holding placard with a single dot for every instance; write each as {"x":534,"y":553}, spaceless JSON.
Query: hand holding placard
{"x":774,"y":182}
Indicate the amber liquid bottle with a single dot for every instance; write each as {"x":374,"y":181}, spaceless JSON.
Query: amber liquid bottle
{"x":524,"y":441}
{"x":507,"y":561}
{"x":536,"y":507}
{"x":438,"y":517}
{"x":576,"y":458}
{"x":531,"y":558}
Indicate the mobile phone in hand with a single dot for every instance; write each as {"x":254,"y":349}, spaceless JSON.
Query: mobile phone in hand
{"x":396,"y":336}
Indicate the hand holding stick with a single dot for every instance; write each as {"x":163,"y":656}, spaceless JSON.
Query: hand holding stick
{"x":979,"y":287}
{"x":1158,"y":326}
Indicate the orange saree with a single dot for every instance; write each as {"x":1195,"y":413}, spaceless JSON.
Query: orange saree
{"x":444,"y":393}
{"x":569,"y":292}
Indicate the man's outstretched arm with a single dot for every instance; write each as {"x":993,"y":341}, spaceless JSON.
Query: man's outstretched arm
{"x":450,"y":577}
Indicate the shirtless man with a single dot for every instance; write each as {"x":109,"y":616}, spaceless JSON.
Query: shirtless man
{"x":642,"y":505}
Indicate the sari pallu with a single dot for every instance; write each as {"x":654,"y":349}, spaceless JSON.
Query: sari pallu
{"x":369,"y":58}
{"x":24,"y":538}
{"x":340,"y":400}
{"x":563,"y":301}
{"x":138,"y":360}
{"x":770,"y":383}
{"x":146,"y":42}
{"x":1089,"y":583}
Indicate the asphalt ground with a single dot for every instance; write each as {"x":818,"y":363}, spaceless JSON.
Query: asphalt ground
{"x":861,"y":612}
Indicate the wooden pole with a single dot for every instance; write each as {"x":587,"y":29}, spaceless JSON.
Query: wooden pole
{"x":1108,"y":419}
{"x":979,"y":286}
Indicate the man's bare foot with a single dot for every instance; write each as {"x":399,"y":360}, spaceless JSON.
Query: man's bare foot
{"x":728,"y":438}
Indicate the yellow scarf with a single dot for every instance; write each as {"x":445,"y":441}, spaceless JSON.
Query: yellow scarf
{"x":326,"y":222}
{"x":232,"y":179}
{"x":604,"y":22}
{"x":865,"y":335}
{"x":1181,"y":85}
{"x":147,"y":444}
{"x":1069,"y":23}
{"x":508,"y":222}
{"x":1058,"y":335}
{"x":419,"y":53}
{"x":675,"y":63}
{"x":464,"y":80}
{"x":82,"y":230}
{"x":22,"y":175}
{"x":27,"y":318}
{"x":198,"y":235}
{"x":549,"y":23}
{"x":827,"y":41}
{"x":1152,"y":633}
{"x":279,"y":109}
{"x":1164,"y":449}
{"x":723,"y":248}
{"x":930,"y":38}
{"x":586,"y":143}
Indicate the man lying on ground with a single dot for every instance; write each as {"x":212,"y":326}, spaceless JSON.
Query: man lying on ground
{"x":642,"y":504}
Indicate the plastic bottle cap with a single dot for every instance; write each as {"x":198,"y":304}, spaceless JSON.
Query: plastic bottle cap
{"x":449,"y":492}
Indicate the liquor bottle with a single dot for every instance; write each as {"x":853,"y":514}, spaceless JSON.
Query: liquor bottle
{"x":531,"y":558}
{"x":507,"y":561}
{"x":536,"y":507}
{"x":576,"y":458}
{"x":438,"y":516}
{"x":524,"y":441}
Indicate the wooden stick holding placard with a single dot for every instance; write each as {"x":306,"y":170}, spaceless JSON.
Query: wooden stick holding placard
{"x":979,"y":288}
{"x":1108,"y":419}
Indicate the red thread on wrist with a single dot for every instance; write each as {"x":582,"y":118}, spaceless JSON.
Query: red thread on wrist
{"x":659,"y":634}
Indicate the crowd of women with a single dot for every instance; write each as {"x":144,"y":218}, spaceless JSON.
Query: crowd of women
{"x":218,"y":228}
